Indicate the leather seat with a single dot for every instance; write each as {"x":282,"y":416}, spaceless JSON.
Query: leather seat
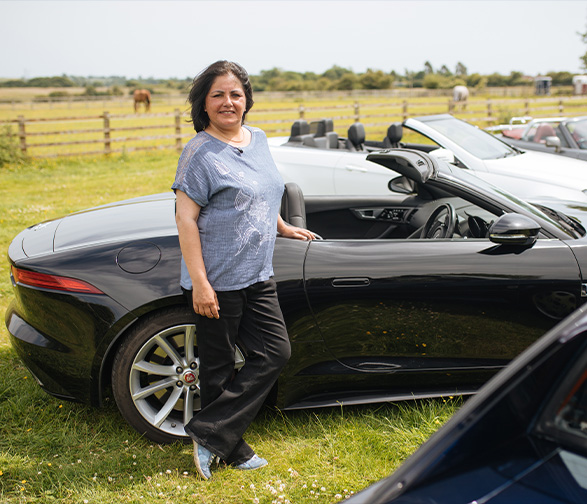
{"x":299,"y":129}
{"x":394,"y":136}
{"x":543,"y":131}
{"x":318,"y":130}
{"x":293,"y":207}
{"x":330,"y":134}
{"x":356,"y":137}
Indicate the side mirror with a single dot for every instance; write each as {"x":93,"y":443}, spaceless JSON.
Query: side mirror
{"x":402,"y":185}
{"x":514,"y":229}
{"x":444,"y":155}
{"x":553,"y":141}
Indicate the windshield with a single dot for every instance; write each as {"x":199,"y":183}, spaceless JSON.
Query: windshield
{"x":561,"y":221}
{"x":578,"y":130}
{"x":474,"y":140}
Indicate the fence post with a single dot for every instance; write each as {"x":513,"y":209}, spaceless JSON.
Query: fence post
{"x":357,"y":112}
{"x":561,"y":107}
{"x":22,"y":134}
{"x":405,"y":110}
{"x":527,"y":107}
{"x":107,"y":146}
{"x":451,"y":106}
{"x":489,"y":110}
{"x":178,"y":146}
{"x":301,"y":111}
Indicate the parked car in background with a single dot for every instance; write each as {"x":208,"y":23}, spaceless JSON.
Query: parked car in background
{"x":426,"y":291}
{"x":322,"y":163}
{"x":555,"y":135}
{"x":521,"y":439}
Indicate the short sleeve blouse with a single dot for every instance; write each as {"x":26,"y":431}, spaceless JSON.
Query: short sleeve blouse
{"x":239,"y":191}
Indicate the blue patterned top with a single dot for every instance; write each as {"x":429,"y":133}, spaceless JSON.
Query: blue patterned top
{"x":239,"y":190}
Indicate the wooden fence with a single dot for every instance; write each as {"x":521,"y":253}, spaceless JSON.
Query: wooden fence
{"x":106,"y":135}
{"x":116,"y":133}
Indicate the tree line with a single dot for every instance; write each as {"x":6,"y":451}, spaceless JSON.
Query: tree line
{"x":335,"y":78}
{"x":340,"y":78}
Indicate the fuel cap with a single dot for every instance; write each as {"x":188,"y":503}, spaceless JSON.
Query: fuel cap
{"x":139,"y":257}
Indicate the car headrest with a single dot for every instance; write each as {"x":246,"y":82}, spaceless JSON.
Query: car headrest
{"x":356,"y":133}
{"x":293,"y":208}
{"x":300,"y":127}
{"x":395,"y":132}
{"x":319,"y":128}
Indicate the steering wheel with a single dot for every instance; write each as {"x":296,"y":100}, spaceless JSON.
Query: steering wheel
{"x":437,"y":227}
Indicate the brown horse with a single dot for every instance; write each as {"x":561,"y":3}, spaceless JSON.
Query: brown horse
{"x":142,"y":96}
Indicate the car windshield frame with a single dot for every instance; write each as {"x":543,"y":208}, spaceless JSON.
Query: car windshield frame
{"x":474,"y":140}
{"x":489,"y":196}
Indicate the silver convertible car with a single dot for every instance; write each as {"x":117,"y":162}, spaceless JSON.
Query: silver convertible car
{"x":321,"y":162}
{"x":566,"y":136}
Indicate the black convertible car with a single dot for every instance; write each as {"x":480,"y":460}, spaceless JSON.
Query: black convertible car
{"x":425,"y":292}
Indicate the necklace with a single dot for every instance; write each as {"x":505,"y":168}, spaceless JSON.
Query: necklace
{"x":230,"y":140}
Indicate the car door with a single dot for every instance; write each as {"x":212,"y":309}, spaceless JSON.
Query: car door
{"x":436,"y":305}
{"x":311,"y":168}
{"x":357,"y":176}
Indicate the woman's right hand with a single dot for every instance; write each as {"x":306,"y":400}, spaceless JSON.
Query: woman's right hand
{"x":206,"y":301}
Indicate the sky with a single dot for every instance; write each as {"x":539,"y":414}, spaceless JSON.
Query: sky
{"x":177,"y":39}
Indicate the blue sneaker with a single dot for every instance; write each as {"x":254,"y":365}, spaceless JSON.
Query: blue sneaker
{"x":255,"y":462}
{"x":203,"y":459}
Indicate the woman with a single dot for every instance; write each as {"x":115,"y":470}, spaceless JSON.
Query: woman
{"x":228,"y":194}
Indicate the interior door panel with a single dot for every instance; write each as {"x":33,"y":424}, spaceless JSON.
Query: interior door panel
{"x":359,"y":217}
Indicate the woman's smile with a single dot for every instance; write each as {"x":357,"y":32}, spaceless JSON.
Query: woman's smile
{"x":226,"y":103}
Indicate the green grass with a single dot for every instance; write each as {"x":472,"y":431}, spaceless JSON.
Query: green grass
{"x":55,"y":451}
{"x":64,"y":452}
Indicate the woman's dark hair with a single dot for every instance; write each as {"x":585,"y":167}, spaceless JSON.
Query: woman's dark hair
{"x":202,"y":84}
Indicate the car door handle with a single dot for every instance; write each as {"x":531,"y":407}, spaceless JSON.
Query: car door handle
{"x":351,"y":282}
{"x":361,"y":169}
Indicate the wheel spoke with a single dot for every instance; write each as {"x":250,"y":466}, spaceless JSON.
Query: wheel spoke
{"x":239,"y":360}
{"x":188,"y":406}
{"x":169,"y":350}
{"x":151,"y":389}
{"x":190,"y":340}
{"x":168,"y":406}
{"x":155,"y":369}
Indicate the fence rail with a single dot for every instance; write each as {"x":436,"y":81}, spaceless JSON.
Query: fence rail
{"x":116,"y":133}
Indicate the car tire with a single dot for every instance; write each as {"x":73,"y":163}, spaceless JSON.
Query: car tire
{"x":155,"y":378}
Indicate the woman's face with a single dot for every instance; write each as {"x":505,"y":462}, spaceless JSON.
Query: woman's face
{"x":226,"y":102}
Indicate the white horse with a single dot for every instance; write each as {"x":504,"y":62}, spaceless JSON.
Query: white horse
{"x":460,"y":94}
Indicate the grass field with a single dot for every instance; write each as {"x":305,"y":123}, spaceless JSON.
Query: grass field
{"x":54,"y":451}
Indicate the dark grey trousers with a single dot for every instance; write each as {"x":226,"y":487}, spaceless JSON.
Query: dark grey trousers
{"x":252,"y":317}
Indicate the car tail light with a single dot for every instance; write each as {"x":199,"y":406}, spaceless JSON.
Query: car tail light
{"x":53,"y":282}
